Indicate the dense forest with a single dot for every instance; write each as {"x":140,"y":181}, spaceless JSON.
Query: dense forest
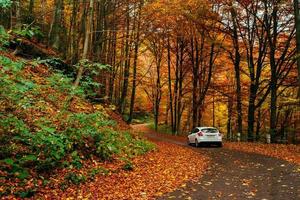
{"x":230,"y":64}
{"x":98,"y":99}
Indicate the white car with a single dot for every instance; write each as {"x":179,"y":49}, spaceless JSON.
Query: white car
{"x":200,"y":135}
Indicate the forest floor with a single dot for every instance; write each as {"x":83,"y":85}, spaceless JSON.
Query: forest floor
{"x":237,"y":172}
{"x":153,"y":175}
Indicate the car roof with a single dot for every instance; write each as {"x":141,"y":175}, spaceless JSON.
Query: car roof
{"x":203,"y":127}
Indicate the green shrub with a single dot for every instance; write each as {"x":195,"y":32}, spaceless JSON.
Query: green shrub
{"x":29,"y":32}
{"x":10,"y":66}
{"x":91,"y":70}
{"x":73,"y":178}
{"x":5,"y":4}
{"x":53,"y":139}
{"x":128,"y":166}
{"x":63,"y":84}
{"x":95,"y":171}
{"x":4,"y":38}
{"x":12,"y":126}
{"x":14,"y":169}
{"x":28,"y":193}
{"x":76,"y":160}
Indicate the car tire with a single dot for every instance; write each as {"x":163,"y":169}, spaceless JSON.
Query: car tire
{"x":196,"y":143}
{"x":220,"y":144}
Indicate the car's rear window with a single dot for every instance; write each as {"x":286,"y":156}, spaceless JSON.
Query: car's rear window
{"x":209,"y":130}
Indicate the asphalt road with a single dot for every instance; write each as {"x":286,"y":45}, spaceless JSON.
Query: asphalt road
{"x":239,"y":175}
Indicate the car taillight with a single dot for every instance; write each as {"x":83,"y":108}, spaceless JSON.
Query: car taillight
{"x":200,"y":133}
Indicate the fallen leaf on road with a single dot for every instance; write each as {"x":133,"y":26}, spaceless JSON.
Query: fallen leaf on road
{"x":290,"y":153}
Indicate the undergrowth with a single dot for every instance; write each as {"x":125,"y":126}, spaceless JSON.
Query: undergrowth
{"x":40,"y":131}
{"x":162,"y":128}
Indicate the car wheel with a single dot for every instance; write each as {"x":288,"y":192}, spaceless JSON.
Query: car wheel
{"x":220,"y":144}
{"x":196,"y":143}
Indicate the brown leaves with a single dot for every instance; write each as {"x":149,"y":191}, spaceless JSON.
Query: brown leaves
{"x":153,"y":175}
{"x":289,"y":153}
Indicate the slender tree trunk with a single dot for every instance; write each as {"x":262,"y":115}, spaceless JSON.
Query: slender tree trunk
{"x":158,"y":93}
{"x":237,"y":59}
{"x":229,"y":116}
{"x":214,"y":117}
{"x":86,"y":43}
{"x":31,"y":11}
{"x":201,"y":79}
{"x":297,"y":23}
{"x":136,"y":52}
{"x":43,"y":8}
{"x":113,"y":62}
{"x":31,"y":6}
{"x":71,"y":34}
{"x":56,"y":25}
{"x":180,"y":85}
{"x":258,"y":124}
{"x":273,"y":83}
{"x":18,"y":14}
{"x":180,"y":91}
{"x":273,"y":106}
{"x":251,"y":112}
{"x":239,"y":97}
{"x":176,"y":88}
{"x":195,"y":58}
{"x":170,"y":85}
{"x":127,"y":63}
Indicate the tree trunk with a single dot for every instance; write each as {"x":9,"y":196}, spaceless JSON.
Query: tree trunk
{"x":174,"y":128}
{"x":136,"y":52}
{"x":297,"y":23}
{"x":86,"y":43}
{"x":170,"y":85}
{"x":71,"y":34}
{"x":237,"y":59}
{"x":127,"y":63}
{"x":157,"y":95}
{"x":229,"y":116}
{"x":258,"y":124}
{"x":56,"y":26}
{"x":251,"y":112}
{"x":273,"y":83}
{"x":180,"y":86}
{"x":113,"y":56}
{"x":273,"y":106}
{"x":195,"y":61}
{"x":18,"y":14}
{"x":31,"y":6}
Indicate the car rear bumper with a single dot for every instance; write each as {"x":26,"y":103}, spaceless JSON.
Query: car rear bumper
{"x":209,"y":140}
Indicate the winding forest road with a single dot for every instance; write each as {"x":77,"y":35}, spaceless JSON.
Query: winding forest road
{"x":237,"y":175}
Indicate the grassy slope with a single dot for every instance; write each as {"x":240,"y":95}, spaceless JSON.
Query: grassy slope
{"x":47,"y":127}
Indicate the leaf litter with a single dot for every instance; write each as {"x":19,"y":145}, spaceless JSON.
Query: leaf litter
{"x":153,"y":175}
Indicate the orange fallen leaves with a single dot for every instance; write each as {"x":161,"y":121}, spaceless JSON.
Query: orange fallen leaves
{"x":154,"y":174}
{"x":290,"y":153}
{"x":145,"y":129}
